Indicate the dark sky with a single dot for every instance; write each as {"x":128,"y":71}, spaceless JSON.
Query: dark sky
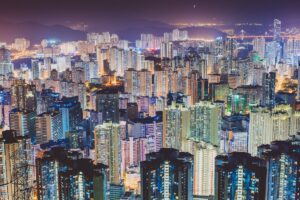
{"x":97,"y":11}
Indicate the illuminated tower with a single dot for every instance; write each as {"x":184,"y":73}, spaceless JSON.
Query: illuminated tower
{"x":102,"y":55}
{"x":283,"y":168}
{"x":107,"y":103}
{"x":259,"y":45}
{"x":269,"y":81}
{"x":298,"y":89}
{"x":6,"y":66}
{"x":108,"y":149}
{"x":161,"y":83}
{"x":23,"y":96}
{"x":48,"y":126}
{"x":240,"y":176}
{"x":16,"y":172}
{"x":131,"y":81}
{"x":269,"y":125}
{"x":176,"y":125}
{"x":71,"y":113}
{"x":276,"y":30}
{"x":166,"y":50}
{"x":167,"y":174}
{"x":204,"y":119}
{"x":65,"y":175}
{"x":22,"y":122}
{"x":145,"y":83}
{"x":204,"y":167}
{"x":83,"y":180}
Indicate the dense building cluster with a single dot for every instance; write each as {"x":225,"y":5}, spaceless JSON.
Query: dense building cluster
{"x":165,"y":117}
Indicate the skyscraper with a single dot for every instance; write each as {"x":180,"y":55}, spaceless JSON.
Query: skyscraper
{"x":283,"y":168}
{"x":270,"y":125}
{"x":71,"y":113}
{"x":166,"y":50}
{"x":64,"y":175}
{"x":107,"y":103}
{"x":277,"y":30}
{"x":239,"y":176}
{"x":204,"y":167}
{"x":16,"y":166}
{"x":161,"y":83}
{"x":48,"y":126}
{"x":167,"y":174}
{"x":259,"y":45}
{"x":83,"y":180}
{"x":6,"y":66}
{"x":23,"y":122}
{"x":204,"y":119}
{"x":131,"y":81}
{"x":108,"y":149}
{"x":176,"y":125}
{"x":23,"y":95}
{"x":269,"y":81}
{"x":145,"y":83}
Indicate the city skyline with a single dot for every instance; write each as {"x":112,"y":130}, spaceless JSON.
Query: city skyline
{"x":150,"y":100}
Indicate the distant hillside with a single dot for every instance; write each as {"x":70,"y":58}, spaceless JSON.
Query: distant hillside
{"x":126,"y":29}
{"x":36,"y":32}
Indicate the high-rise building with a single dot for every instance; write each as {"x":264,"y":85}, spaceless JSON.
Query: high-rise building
{"x":23,"y":122}
{"x":131,"y":81}
{"x":108,"y":149}
{"x":166,"y":50}
{"x":63,"y":174}
{"x":269,"y":81}
{"x":48,"y":126}
{"x":5,"y":107}
{"x":71,"y":113}
{"x":277,"y":30}
{"x":83,"y":180}
{"x":107,"y":103}
{"x":23,"y":96}
{"x":176,"y":126}
{"x":145,"y":83}
{"x":167,"y":174}
{"x":259,"y":45}
{"x":161,"y":83}
{"x":6,"y":66}
{"x":204,"y":167}
{"x":270,"y":125}
{"x":283,"y":168}
{"x":240,"y":176}
{"x":204,"y":119}
{"x":16,"y":166}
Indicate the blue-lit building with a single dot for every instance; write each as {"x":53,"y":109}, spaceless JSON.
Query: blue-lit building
{"x":45,"y":100}
{"x":5,"y":106}
{"x":269,"y":81}
{"x":239,"y":176}
{"x":71,"y":113}
{"x":107,"y":103}
{"x":283,"y":168}
{"x":167,"y":174}
{"x":65,"y":175}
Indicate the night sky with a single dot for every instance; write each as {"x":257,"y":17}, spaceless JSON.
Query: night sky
{"x":97,"y":11}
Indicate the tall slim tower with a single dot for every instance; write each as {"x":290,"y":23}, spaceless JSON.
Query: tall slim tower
{"x":277,"y":30}
{"x":108,"y":149}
